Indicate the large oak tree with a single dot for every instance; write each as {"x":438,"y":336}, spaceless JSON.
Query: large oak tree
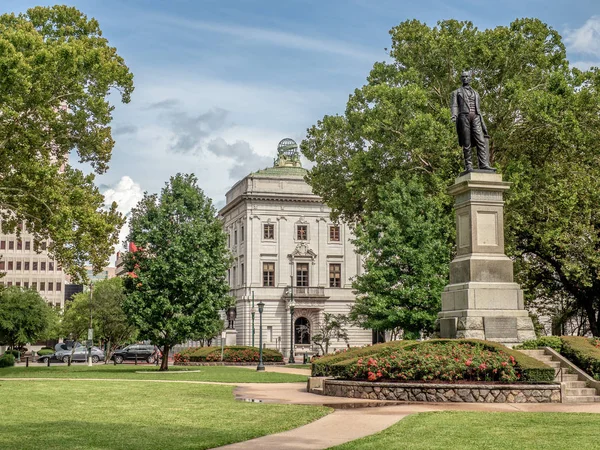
{"x":57,"y":72}
{"x":542,"y":114}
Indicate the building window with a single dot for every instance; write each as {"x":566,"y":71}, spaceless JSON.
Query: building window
{"x":269,"y":231}
{"x":27,"y":245}
{"x":228,"y":240}
{"x":19,"y":244}
{"x":34,"y":285}
{"x":35,"y":265}
{"x":10,"y":265}
{"x":235,"y":237}
{"x":335,"y":275}
{"x":50,"y":285}
{"x":2,"y":265}
{"x":43,"y":266}
{"x":234,"y":278}
{"x":58,"y":286}
{"x":269,"y":274}
{"x":19,"y":265}
{"x":242,"y":234}
{"x":2,"y":245}
{"x":242,"y":273}
{"x":334,"y":233}
{"x":42,"y":286}
{"x":51,"y":266}
{"x":18,"y":283}
{"x":43,"y":245}
{"x":26,"y":284}
{"x":302,"y":274}
{"x":302,"y":232}
{"x":11,"y":245}
{"x":9,"y":283}
{"x":26,"y":265}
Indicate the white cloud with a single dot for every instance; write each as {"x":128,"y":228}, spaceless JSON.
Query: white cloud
{"x":585,"y":39}
{"x":126,"y":193}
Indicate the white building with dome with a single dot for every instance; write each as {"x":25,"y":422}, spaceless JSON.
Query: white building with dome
{"x":281,"y":236}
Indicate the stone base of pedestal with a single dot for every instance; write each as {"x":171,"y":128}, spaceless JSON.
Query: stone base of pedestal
{"x":230,"y":337}
{"x":482,"y":301}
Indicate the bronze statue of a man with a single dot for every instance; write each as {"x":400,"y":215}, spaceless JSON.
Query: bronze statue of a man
{"x":466,"y":112}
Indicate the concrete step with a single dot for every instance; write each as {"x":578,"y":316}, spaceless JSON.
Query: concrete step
{"x":576,"y":392}
{"x":555,"y":364}
{"x":534,"y":353}
{"x":570,"y":377}
{"x":582,"y":399}
{"x":575,"y":384}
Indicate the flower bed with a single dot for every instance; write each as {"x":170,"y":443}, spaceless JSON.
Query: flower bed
{"x":444,"y":360}
{"x":234,"y":354}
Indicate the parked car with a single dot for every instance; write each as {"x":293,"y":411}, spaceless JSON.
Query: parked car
{"x":79,"y":354}
{"x":141,"y":352}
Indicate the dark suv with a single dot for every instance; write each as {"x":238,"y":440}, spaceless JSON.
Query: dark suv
{"x":141,"y":352}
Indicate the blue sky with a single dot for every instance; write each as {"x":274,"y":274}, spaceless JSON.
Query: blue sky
{"x":220,"y":82}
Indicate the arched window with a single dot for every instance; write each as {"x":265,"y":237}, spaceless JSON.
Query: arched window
{"x":302,"y":331}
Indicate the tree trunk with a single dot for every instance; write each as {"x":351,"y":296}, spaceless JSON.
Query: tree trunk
{"x":165,"y":358}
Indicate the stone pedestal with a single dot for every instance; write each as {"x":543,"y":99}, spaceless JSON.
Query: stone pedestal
{"x":482,"y":300}
{"x":230,"y":337}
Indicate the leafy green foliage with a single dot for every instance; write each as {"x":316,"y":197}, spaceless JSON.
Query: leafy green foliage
{"x":57,"y":73}
{"x":109,"y":320}
{"x":233,"y":354}
{"x":7,"y":360}
{"x":406,"y":248}
{"x":45,"y":352}
{"x":544,"y":120}
{"x":583,"y":352}
{"x":177,"y":277}
{"x":24,"y":316}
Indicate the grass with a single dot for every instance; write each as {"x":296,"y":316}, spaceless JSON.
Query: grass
{"x":462,"y":430}
{"x":196,"y":373}
{"x":135,"y":416}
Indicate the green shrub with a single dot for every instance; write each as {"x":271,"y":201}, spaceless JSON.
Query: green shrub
{"x":230,"y":354}
{"x":583,"y":352}
{"x":344,"y":365}
{"x":554,"y":342}
{"x":334,"y":365}
{"x":45,"y":351}
{"x":14,"y":353}
{"x":7,"y":360}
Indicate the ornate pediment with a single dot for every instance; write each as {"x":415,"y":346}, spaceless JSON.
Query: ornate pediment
{"x":303,"y":251}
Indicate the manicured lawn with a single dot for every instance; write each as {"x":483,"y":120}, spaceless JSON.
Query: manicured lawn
{"x":107,"y":415}
{"x":129,"y":371}
{"x":298,"y":366}
{"x":477,"y":430}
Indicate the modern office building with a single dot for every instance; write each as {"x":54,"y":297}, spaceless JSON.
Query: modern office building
{"x":285,"y":245}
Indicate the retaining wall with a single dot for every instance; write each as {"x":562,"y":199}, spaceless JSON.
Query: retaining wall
{"x":425,"y":392}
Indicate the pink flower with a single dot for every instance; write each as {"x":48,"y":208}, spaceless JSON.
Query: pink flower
{"x":468,"y":362}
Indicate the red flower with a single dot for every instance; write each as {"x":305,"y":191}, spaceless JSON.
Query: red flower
{"x":482,"y":366}
{"x":468,"y":362}
{"x":371,"y":376}
{"x":504,"y":363}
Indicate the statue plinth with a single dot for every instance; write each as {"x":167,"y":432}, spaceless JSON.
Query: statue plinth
{"x":482,"y":300}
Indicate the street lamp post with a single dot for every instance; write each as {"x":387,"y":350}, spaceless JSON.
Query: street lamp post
{"x":261,"y":366}
{"x":253,"y":310}
{"x":90,"y":330}
{"x":291,"y":360}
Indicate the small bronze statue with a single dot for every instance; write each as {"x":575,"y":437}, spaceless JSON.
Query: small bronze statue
{"x":471,"y":129}
{"x":231,"y":315}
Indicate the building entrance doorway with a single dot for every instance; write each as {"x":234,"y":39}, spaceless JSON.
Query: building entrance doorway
{"x":302,"y":331}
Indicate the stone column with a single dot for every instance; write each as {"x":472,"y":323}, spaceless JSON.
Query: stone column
{"x":482,"y":300}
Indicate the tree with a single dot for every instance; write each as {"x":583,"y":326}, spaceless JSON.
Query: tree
{"x":24,"y":316}
{"x":57,"y":73}
{"x":406,"y":248}
{"x":209,"y":331}
{"x":111,"y":325}
{"x":177,"y":272}
{"x":542,"y":115}
{"x":331,"y":327}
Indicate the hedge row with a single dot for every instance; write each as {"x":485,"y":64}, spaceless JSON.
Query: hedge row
{"x":344,"y":365}
{"x":583,"y":352}
{"x":230,"y":354}
{"x":7,"y":360}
